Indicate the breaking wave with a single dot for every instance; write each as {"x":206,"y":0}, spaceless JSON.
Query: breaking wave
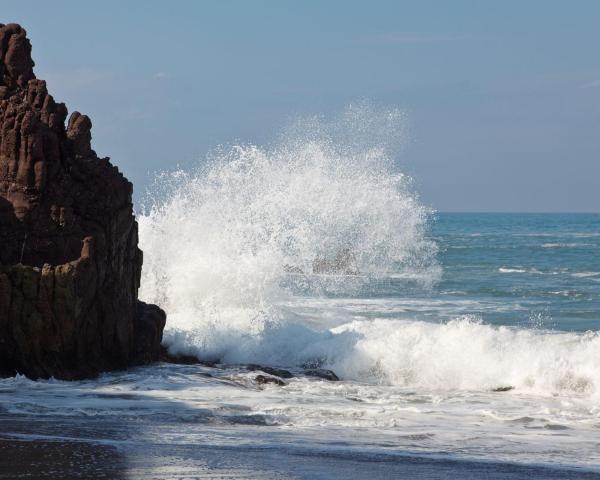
{"x":325,"y":212}
{"x":465,"y":354}
{"x":322,"y":211}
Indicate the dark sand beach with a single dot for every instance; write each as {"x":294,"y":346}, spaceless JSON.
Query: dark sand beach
{"x":47,"y":448}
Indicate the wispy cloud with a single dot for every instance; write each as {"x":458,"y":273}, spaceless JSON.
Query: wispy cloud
{"x":592,"y":84}
{"x":160,"y":75}
{"x":403,"y":38}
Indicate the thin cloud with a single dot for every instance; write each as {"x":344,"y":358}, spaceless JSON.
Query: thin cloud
{"x":593,"y":84}
{"x":403,"y":38}
{"x":160,"y":75}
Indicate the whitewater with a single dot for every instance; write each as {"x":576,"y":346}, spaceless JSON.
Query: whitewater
{"x":455,"y":337}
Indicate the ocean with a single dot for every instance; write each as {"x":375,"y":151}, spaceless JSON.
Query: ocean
{"x":467,"y":345}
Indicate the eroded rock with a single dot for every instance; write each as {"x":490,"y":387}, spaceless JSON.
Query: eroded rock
{"x":69,"y":261}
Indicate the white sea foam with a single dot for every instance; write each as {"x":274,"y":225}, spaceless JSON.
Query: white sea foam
{"x":586,"y":274}
{"x":466,"y":354}
{"x":191,"y":405}
{"x":569,"y":245}
{"x":534,"y":271}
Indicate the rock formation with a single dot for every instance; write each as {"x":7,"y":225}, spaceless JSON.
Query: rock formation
{"x":69,"y":261}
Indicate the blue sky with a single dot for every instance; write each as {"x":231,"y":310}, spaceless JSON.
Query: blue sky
{"x":503,"y":97}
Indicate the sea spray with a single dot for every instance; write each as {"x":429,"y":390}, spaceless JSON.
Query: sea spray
{"x":226,"y":241}
{"x":230,"y":250}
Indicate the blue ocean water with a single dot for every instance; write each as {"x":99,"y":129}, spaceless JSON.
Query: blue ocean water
{"x":543,"y":269}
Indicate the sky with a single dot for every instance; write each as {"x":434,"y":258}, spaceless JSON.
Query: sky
{"x":503,"y":98}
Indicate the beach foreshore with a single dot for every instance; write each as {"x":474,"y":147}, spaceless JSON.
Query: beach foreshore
{"x":29,"y":458}
{"x":44,"y":459}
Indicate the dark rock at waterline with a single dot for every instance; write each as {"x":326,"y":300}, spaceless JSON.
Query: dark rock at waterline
{"x":179,"y":359}
{"x":278,"y":372}
{"x":149,"y":323}
{"x":321,"y":373}
{"x":69,"y":259}
{"x":167,"y":357}
{"x":263,"y":380}
{"x":503,"y":389}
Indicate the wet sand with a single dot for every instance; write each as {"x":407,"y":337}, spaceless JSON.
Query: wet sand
{"x":44,"y":459}
{"x":38,"y":459}
{"x":152,"y":448}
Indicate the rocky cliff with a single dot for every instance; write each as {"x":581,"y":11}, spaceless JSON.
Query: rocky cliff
{"x":69,"y":261}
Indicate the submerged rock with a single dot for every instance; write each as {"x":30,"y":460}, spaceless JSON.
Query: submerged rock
{"x":503,"y":389}
{"x":277,"y":372}
{"x":263,"y":380}
{"x":181,"y":359}
{"x":69,"y":261}
{"x":343,"y":263}
{"x":321,"y":373}
{"x":292,"y":269}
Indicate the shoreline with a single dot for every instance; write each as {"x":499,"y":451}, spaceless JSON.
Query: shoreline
{"x":22,"y":458}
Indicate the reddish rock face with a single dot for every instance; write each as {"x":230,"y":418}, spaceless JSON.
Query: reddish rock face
{"x":69,"y":262}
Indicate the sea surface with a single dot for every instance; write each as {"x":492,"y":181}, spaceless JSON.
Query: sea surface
{"x":467,"y":344}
